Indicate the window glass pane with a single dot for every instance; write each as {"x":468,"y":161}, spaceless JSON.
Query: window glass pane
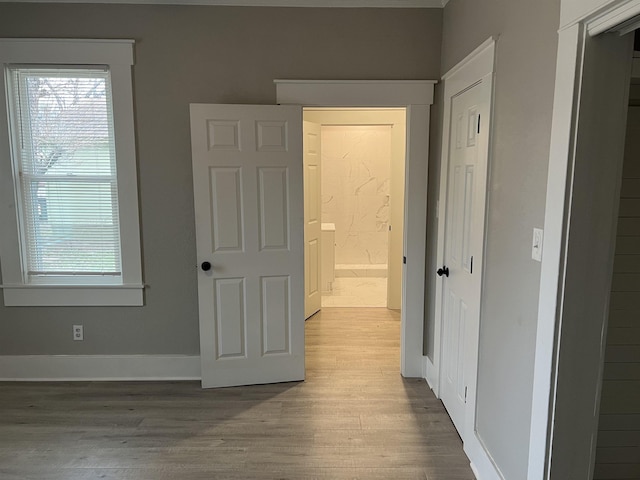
{"x":66,"y":160}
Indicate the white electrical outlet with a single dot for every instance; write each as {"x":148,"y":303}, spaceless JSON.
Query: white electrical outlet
{"x":536,"y":245}
{"x":78,"y":332}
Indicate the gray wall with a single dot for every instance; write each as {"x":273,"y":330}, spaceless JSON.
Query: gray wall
{"x":524,"y":85}
{"x":200,"y":54}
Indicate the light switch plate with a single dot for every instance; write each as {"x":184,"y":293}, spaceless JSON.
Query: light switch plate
{"x":536,"y":245}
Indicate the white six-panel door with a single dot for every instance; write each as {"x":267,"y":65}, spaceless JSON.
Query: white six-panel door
{"x":312,"y":220}
{"x":464,"y":242}
{"x":248,"y":193}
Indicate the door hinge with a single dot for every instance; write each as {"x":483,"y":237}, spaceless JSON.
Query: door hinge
{"x":404,"y":260}
{"x":478,"y":123}
{"x":465,"y":394}
{"x":471,"y":268}
{"x":389,"y":227}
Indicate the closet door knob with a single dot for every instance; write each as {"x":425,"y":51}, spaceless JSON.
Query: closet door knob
{"x":206,"y":266}
{"x":443,"y":271}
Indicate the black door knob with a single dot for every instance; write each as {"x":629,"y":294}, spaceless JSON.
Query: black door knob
{"x":206,"y":266}
{"x":443,"y":271}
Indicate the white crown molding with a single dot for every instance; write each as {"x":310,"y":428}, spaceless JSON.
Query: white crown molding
{"x":263,"y":3}
{"x":33,"y":368}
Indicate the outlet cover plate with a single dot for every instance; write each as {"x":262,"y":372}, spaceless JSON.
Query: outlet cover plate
{"x":78,"y":333}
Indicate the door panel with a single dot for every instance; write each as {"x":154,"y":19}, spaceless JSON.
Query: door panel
{"x":464,"y":239}
{"x":312,"y":220}
{"x":247,"y":176}
{"x":230,"y":318}
{"x":273,"y":205}
{"x":226,"y":214}
{"x":274,"y":315}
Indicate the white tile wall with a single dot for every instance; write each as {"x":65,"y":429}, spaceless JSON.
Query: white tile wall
{"x":355,"y":190}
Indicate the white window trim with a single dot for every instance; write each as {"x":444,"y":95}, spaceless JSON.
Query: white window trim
{"x":118,"y":55}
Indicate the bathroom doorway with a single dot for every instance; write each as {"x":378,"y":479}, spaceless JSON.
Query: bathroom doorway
{"x":355,"y":180}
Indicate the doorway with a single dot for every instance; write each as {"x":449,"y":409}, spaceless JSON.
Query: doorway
{"x":581,"y":216}
{"x":416,"y":96}
{"x":355,"y":171}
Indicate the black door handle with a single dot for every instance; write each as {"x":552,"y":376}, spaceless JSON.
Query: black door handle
{"x":443,"y":271}
{"x":206,"y":266}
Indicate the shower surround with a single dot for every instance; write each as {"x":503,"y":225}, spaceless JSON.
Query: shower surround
{"x":355,"y":196}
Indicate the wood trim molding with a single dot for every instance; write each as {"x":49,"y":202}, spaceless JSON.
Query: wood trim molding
{"x":34,"y":368}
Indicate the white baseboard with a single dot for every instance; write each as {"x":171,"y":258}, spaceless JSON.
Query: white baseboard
{"x":36,"y":368}
{"x":482,"y":464}
{"x":430,"y":374}
{"x":474,"y":470}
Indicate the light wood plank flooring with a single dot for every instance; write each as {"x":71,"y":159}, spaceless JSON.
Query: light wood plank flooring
{"x":353,"y":418}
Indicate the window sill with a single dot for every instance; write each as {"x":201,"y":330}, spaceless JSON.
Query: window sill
{"x":73,"y":295}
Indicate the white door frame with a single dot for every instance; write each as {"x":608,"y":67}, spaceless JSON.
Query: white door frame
{"x":556,"y":428}
{"x":477,"y":67}
{"x":416,"y":96}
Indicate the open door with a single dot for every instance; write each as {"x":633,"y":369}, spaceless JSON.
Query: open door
{"x":312,"y":221}
{"x":247,"y":177}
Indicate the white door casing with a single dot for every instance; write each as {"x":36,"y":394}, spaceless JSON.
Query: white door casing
{"x":414,"y":240}
{"x":417,"y":96}
{"x":583,"y":195}
{"x":248,"y":193}
{"x":312,"y":217}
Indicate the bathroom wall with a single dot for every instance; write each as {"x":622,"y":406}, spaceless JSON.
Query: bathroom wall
{"x":356,"y":191}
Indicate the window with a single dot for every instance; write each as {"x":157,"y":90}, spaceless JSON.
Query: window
{"x":65,"y":157}
{"x":68,"y":174}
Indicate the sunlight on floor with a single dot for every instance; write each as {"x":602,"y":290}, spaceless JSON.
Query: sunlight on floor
{"x":357,"y":292}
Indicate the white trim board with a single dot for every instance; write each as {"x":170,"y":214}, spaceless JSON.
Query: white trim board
{"x":265,"y":3}
{"x":47,"y":368}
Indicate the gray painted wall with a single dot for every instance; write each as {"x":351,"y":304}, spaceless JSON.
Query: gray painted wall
{"x":200,"y":54}
{"x":524,"y":86}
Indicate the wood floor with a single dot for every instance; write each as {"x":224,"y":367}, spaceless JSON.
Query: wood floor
{"x":353,"y":418}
